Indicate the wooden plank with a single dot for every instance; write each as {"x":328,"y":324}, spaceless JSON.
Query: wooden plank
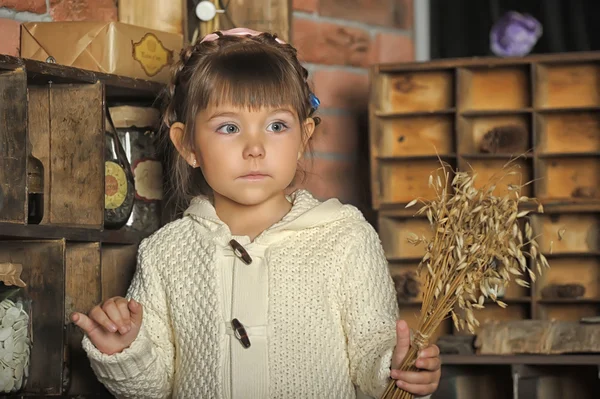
{"x":118,"y":267}
{"x":261,"y":15}
{"x":13,"y":146}
{"x":568,"y":360}
{"x":70,"y":233}
{"x":584,"y":272}
{"x":77,"y":159}
{"x":394,"y":233}
{"x":39,"y":134}
{"x":492,"y":169}
{"x":41,"y":73}
{"x":44,"y":272}
{"x":82,"y":292}
{"x":579,"y":231}
{"x":569,"y":178}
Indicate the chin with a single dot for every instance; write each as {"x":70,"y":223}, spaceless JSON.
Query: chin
{"x":255,"y":196}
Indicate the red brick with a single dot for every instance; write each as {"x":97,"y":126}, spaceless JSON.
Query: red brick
{"x":10,"y":32}
{"x":396,"y":13}
{"x":337,"y":88}
{"x":331,"y":44}
{"x":306,"y":5}
{"x":35,"y":6}
{"x":392,"y":47}
{"x":83,"y":10}
{"x":336,"y":134}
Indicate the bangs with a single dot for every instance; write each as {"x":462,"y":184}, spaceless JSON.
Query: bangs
{"x":252,"y":77}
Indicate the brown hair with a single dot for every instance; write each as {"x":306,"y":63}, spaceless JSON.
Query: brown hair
{"x":245,"y":71}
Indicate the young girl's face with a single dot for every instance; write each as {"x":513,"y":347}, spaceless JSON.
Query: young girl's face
{"x":246,"y":155}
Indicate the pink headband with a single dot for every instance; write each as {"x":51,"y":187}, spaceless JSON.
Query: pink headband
{"x":235,"y":32}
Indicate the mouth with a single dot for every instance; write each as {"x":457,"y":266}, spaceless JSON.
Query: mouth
{"x":254,"y":176}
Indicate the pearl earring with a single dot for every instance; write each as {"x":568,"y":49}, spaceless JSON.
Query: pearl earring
{"x":194,"y":163}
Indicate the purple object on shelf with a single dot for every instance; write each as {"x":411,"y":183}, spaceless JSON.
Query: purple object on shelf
{"x":515,"y":34}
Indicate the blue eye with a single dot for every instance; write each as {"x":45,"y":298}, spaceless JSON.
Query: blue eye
{"x":277,"y":127}
{"x":228,"y":129}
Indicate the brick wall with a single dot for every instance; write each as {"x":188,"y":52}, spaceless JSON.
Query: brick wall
{"x":338,"y":40}
{"x":58,"y":10}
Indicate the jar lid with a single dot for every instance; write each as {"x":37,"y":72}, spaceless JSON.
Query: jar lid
{"x":128,"y":115}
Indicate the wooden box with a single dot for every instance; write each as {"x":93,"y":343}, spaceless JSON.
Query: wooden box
{"x":62,"y":126}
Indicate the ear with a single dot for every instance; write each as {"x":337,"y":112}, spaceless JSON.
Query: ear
{"x":309,"y":129}
{"x":177,"y":133}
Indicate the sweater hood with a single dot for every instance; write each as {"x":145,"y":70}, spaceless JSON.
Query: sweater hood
{"x":307,"y":212}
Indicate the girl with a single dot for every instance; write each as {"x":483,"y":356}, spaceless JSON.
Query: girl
{"x":252,"y":293}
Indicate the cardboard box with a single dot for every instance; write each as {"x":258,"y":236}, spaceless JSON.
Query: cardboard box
{"x":109,"y":47}
{"x":10,"y":32}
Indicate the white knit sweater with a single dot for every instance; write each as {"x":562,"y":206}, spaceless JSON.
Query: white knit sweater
{"x":330,"y":309}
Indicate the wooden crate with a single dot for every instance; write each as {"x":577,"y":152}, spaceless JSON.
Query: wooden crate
{"x":478,"y":114}
{"x":44,"y":273}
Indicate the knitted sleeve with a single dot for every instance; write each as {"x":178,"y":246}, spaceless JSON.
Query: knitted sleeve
{"x":369,"y":311}
{"x":145,"y":369}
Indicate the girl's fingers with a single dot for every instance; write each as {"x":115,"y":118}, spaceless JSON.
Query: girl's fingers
{"x":99,"y":316}
{"x":417,"y":389}
{"x":113,"y":313}
{"x":431,"y":364}
{"x":123,"y":306}
{"x":83,"y":322}
{"x":430,"y":351}
{"x":414,"y":377}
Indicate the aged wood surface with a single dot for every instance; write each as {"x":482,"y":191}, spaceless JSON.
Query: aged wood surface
{"x":44,"y":272}
{"x":13,"y":146}
{"x":39,"y":134}
{"x":70,"y":233}
{"x":77,"y":159}
{"x":118,"y":267}
{"x":82,"y":292}
{"x":537,"y":337}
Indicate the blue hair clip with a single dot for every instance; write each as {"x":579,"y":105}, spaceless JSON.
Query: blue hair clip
{"x":314,"y":101}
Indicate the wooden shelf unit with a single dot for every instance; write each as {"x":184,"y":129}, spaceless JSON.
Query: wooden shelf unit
{"x":419,"y":111}
{"x":70,"y":262}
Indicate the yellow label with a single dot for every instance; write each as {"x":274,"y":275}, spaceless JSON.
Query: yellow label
{"x":115,"y":185}
{"x":151,"y":54}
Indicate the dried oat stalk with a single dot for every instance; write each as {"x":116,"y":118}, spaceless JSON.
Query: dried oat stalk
{"x":477,"y":248}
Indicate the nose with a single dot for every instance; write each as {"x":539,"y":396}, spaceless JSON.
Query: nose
{"x":254,"y":148}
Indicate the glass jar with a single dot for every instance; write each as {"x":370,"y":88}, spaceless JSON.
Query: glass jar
{"x":15,"y":330}
{"x":118,"y":180}
{"x":137,"y":128}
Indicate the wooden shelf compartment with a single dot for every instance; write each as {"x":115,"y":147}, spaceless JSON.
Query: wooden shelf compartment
{"x":568,"y":178}
{"x":486,"y":88}
{"x":117,"y":87}
{"x":583,"y":271}
{"x":394,"y":233}
{"x":493,"y":312}
{"x":414,"y":91}
{"x":559,"y":360}
{"x":414,"y":136}
{"x":489,"y":168}
{"x":74,"y":234}
{"x":567,"y":85}
{"x":495,"y":134}
{"x":580,"y":233}
{"x":401,"y":181}
{"x":567,"y":311}
{"x":568,"y":132}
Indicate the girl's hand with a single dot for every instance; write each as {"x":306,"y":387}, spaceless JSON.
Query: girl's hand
{"x":111,"y":326}
{"x":426,"y":380}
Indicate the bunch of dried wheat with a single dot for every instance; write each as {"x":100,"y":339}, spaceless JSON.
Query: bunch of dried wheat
{"x":477,"y":244}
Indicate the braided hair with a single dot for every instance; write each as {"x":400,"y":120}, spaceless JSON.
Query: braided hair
{"x":243,"y":71}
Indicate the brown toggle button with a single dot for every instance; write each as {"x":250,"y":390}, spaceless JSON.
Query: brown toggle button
{"x":240,"y":252}
{"x":240,"y":333}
